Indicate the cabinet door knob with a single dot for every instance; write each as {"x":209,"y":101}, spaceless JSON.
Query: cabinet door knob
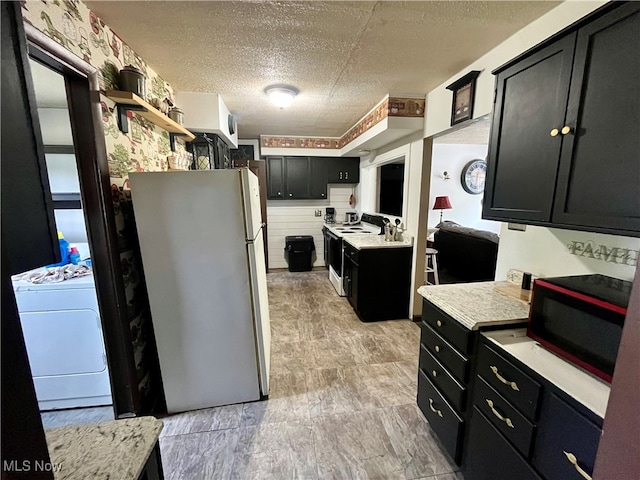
{"x":566,"y":130}
{"x":574,"y":461}
{"x":322,"y":194}
{"x":434,"y":373}
{"x":291,"y":194}
{"x":279,"y":194}
{"x":554,"y":132}
{"x":437,"y":348}
{"x":346,"y":175}
{"x":340,"y":175}
{"x":439,"y":323}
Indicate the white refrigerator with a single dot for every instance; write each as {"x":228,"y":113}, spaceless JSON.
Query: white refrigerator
{"x":201,"y":240}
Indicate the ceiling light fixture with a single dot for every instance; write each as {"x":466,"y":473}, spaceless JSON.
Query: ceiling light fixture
{"x":281,"y":95}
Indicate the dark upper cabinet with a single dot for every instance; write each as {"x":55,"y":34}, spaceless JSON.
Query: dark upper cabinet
{"x":297,"y":173}
{"x":599,"y":177}
{"x":318,"y":180}
{"x":564,"y":148}
{"x":28,"y":225}
{"x":343,"y":169}
{"x":523,"y":158}
{"x":294,"y":178}
{"x":275,"y":177}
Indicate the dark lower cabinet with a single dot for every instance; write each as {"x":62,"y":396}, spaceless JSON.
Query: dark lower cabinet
{"x":442,"y":417}
{"x":564,"y":437}
{"x":491,"y":457}
{"x":377,"y":281}
{"x":553,"y":437}
{"x":564,"y":149}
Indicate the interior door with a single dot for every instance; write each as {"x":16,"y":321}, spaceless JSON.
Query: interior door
{"x":28,"y":224}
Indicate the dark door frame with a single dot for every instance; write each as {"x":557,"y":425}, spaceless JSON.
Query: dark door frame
{"x":83,"y":93}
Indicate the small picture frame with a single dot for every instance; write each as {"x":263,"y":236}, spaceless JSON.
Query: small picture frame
{"x":464,"y":90}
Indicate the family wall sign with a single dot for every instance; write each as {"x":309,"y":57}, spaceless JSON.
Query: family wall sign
{"x":604,"y":253}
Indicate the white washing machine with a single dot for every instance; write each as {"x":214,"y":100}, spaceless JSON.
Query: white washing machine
{"x":63,"y":335}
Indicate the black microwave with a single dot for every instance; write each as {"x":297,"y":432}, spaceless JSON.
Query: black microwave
{"x":580,"y":318}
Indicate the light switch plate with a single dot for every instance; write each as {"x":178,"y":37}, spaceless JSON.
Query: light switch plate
{"x":318,"y":213}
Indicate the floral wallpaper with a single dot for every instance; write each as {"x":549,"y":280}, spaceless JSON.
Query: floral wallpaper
{"x":390,"y":107}
{"x":144,"y":148}
{"x":79,"y":30}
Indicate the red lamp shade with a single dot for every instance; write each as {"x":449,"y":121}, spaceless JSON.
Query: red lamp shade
{"x":442,"y":203}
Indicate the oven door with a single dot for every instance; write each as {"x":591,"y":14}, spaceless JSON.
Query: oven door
{"x":335,"y":253}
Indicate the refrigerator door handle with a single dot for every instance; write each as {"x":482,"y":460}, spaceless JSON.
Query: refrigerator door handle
{"x":249,"y":241}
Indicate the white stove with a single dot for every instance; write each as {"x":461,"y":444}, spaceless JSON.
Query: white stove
{"x":334,"y":248}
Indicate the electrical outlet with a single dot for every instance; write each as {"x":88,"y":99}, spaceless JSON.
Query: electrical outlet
{"x":318,"y":213}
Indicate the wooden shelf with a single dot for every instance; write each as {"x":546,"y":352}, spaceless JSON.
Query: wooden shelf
{"x":130,"y":101}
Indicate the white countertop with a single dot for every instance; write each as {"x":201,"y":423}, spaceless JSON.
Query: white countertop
{"x":112,"y":450}
{"x":338,"y":229}
{"x":361,"y":242}
{"x":587,"y":389}
{"x":475,"y":305}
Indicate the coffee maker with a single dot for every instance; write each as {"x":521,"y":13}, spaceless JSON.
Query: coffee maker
{"x":351,"y":218}
{"x":330,"y":215}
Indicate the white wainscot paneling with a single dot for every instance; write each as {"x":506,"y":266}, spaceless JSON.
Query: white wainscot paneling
{"x":287,"y":218}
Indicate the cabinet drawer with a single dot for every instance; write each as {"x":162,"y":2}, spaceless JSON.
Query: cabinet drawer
{"x":446,"y":383}
{"x":351,"y":252}
{"x":452,"y":360}
{"x":442,"y":418}
{"x":562,"y":429}
{"x":490,"y":456}
{"x":447,"y":327}
{"x":511,"y":423}
{"x":509,"y":381}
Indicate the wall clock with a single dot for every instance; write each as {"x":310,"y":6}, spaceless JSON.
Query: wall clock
{"x":473,"y":175}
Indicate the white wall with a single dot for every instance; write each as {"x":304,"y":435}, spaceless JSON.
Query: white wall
{"x":466,"y":208}
{"x":544,"y":252}
{"x":411,"y":148}
{"x":438,"y":111}
{"x":297,"y":217}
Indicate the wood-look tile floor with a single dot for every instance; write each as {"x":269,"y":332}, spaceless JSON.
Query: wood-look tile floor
{"x":342,"y":403}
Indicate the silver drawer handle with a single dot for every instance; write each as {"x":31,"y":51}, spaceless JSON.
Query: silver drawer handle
{"x":574,"y":461}
{"x":434,"y":410}
{"x":497,"y":414}
{"x":513,"y":385}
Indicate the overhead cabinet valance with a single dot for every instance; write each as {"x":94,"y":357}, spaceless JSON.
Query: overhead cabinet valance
{"x":565,"y":143}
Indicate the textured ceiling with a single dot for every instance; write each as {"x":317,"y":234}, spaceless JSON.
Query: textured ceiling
{"x":344,"y":56}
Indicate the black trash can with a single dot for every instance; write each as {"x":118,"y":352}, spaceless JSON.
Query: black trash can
{"x":298,"y":251}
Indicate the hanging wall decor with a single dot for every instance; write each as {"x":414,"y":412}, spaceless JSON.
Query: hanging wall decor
{"x":463,"y":96}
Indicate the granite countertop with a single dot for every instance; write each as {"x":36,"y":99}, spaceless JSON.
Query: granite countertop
{"x":117,"y":449}
{"x":590,"y":391}
{"x":361,"y":242}
{"x":476,"y":305}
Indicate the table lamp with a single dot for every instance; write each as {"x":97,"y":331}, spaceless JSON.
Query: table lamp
{"x":442,"y":203}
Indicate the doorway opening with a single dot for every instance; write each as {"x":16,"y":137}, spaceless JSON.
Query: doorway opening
{"x":58,"y":306}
